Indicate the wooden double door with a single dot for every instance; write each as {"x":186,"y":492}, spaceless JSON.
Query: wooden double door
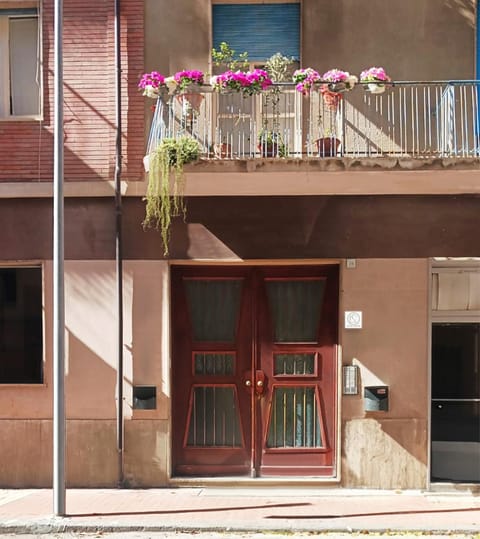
{"x":254,"y":367}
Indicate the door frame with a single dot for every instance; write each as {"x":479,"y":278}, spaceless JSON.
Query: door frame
{"x":444,"y":265}
{"x":335,"y":478}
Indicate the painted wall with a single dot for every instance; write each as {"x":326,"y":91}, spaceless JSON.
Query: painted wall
{"x":90,"y":382}
{"x":413,"y":39}
{"x":387,"y":449}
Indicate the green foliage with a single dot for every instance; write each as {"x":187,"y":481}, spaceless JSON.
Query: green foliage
{"x":272,"y":142}
{"x":226,"y":56}
{"x":278,"y":66}
{"x":170,"y":155}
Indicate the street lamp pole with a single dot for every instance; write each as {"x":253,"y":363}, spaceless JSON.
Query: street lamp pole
{"x":58,"y":273}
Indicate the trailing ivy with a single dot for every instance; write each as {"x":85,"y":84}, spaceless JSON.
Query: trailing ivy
{"x":161,"y":206}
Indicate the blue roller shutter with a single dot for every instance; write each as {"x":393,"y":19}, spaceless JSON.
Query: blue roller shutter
{"x":260,"y":29}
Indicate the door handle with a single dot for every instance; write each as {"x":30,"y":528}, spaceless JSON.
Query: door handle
{"x":248,"y":383}
{"x":260,"y":382}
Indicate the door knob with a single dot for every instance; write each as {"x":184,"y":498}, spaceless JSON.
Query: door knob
{"x":248,"y":383}
{"x":260,"y":383}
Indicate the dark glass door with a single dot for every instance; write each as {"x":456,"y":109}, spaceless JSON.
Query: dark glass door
{"x":455,"y":402}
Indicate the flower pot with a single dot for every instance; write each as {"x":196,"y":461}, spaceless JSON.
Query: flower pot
{"x":146,"y":163}
{"x":327,"y":146}
{"x":331,"y":99}
{"x":376,"y":88}
{"x":222,"y":150}
{"x":194,"y":100}
{"x":271,"y":149}
{"x":337,"y":87}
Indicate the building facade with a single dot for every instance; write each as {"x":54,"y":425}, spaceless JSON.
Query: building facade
{"x":316,"y":319}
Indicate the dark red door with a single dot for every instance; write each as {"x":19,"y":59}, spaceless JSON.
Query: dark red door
{"x":254,"y":370}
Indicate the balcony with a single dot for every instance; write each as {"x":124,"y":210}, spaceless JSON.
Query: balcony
{"x":410,"y":120}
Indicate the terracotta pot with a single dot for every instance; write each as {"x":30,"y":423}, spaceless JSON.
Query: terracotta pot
{"x":327,"y":146}
{"x":270,"y":149}
{"x":222,"y":150}
{"x":331,"y":99}
{"x":193,"y":99}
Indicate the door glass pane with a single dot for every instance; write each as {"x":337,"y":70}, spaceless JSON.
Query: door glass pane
{"x":214,"y":364}
{"x":294,"y":364}
{"x":455,"y":365}
{"x":294,"y":418}
{"x":295,"y":307}
{"x":214,"y":307}
{"x":214,"y":420}
{"x":456,"y":421}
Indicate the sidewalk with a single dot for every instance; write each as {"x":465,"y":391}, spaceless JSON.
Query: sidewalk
{"x":239,"y":509}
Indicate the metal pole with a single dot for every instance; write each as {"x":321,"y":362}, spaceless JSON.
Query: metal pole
{"x":118,"y":240}
{"x":58,"y":275}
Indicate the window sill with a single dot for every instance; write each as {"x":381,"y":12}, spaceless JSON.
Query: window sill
{"x":32,"y":118}
{"x":41,"y":385}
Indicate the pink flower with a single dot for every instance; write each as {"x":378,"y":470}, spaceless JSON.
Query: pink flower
{"x":153,"y":79}
{"x":249,"y":83}
{"x":373,"y":74}
{"x":305,"y":79}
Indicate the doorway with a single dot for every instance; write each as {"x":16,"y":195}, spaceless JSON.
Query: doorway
{"x":455,"y":422}
{"x":254,"y":369}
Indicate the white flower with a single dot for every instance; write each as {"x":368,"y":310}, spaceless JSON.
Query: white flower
{"x":150,"y":91}
{"x":171,"y":84}
{"x":351,"y":81}
{"x":213,"y":80}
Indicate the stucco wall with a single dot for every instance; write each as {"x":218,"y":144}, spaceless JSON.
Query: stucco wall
{"x":90,"y":382}
{"x":387,"y":449}
{"x":412,"y":39}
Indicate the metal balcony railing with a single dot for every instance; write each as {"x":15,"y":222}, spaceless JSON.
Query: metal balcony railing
{"x":410,"y":119}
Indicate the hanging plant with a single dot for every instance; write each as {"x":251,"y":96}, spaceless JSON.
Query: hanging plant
{"x":161,"y":206}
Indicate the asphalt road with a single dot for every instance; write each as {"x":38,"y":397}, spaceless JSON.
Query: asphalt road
{"x":227,"y":535}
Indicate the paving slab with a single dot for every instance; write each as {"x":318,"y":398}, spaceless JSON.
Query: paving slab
{"x":239,"y":509}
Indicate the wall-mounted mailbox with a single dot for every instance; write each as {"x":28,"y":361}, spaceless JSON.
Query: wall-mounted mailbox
{"x":144,"y":397}
{"x":376,"y":398}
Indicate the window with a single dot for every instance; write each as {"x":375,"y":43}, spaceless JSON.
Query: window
{"x":259,"y":29}
{"x":20,"y":77}
{"x":21,"y":341}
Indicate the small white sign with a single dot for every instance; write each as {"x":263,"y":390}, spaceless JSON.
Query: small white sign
{"x":353,"y":319}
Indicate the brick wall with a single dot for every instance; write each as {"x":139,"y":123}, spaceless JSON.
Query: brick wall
{"x":89,"y":96}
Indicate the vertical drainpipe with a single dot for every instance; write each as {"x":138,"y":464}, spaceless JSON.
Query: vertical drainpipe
{"x":118,"y":243}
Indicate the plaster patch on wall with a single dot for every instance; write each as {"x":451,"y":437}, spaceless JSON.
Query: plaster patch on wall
{"x":374,"y":459}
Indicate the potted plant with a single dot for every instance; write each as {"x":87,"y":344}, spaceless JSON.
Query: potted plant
{"x":247,"y":82}
{"x":374,"y":79}
{"x":186,"y":84}
{"x":151,"y":84}
{"x":336,"y":82}
{"x":169,"y":156}
{"x":304,"y":79}
{"x":227,"y":58}
{"x":328,"y":146}
{"x":278,"y":67}
{"x":271,"y":144}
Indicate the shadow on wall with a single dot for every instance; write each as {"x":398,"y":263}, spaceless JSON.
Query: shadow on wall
{"x":90,"y":385}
